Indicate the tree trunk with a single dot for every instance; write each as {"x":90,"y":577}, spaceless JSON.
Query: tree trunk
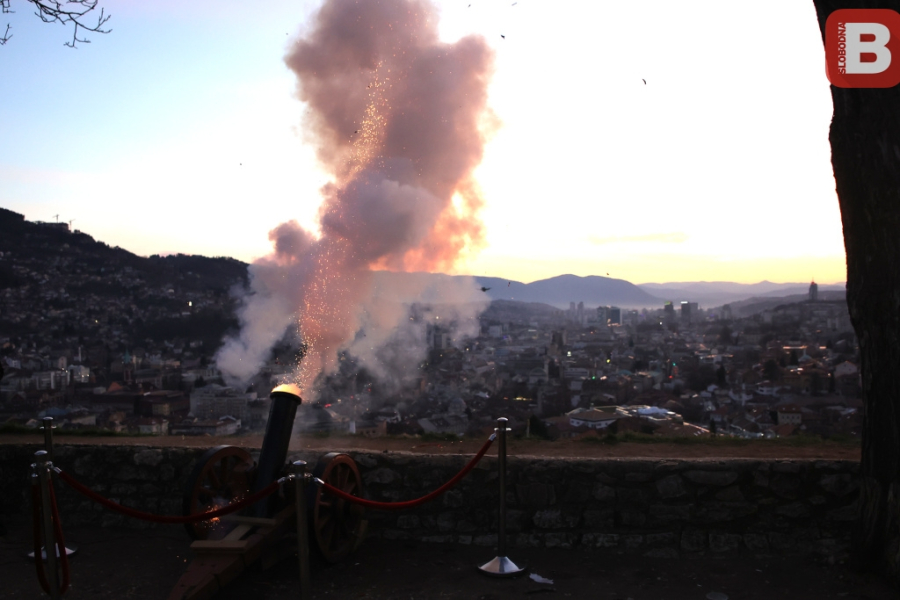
{"x":865,"y":154}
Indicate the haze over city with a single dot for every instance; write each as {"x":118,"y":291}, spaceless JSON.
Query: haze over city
{"x":607,"y":150}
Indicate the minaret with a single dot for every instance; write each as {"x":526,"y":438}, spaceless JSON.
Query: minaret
{"x":813,"y":291}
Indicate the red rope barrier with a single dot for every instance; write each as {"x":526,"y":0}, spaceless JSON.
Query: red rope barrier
{"x":410,"y":503}
{"x":137,"y":514}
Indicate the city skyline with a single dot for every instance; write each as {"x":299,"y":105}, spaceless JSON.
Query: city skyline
{"x":181,"y":133}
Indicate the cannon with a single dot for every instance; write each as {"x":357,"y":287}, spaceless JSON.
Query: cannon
{"x":226,"y":474}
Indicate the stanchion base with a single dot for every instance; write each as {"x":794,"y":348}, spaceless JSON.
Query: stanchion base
{"x":501,"y":566}
{"x":69,"y":552}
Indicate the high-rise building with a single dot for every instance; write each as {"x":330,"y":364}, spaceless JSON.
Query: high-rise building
{"x":615,"y":315}
{"x":689,"y":312}
{"x":669,"y":313}
{"x":813,"y":291}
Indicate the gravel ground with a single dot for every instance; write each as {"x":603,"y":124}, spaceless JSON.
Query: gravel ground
{"x":133,"y":564}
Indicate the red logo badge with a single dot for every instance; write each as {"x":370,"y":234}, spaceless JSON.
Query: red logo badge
{"x":862,"y":48}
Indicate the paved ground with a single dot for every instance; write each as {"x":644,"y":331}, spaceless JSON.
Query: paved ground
{"x":138,"y":565}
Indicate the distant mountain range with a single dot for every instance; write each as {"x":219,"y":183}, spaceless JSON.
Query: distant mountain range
{"x":605,"y":291}
{"x":198,"y":272}
{"x":716,"y":293}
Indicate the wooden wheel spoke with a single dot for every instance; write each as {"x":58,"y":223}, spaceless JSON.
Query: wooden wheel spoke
{"x":337,"y":523}
{"x":214,"y":479}
{"x":344,"y":477}
{"x":214,"y":482}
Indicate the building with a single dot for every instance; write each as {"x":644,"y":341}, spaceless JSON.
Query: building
{"x":689,"y":312}
{"x":595,"y":418}
{"x":789,"y":414}
{"x":813,"y":291}
{"x":215,"y":401}
{"x":615,"y":315}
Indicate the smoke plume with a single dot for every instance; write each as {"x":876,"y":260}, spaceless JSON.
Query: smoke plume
{"x":399,"y":119}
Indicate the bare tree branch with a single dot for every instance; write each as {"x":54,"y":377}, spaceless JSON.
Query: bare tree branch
{"x":65,"y":12}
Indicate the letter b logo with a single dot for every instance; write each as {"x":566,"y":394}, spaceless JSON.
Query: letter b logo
{"x":862,"y":48}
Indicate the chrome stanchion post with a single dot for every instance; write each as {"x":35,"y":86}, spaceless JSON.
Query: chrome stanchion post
{"x":48,"y":436}
{"x":501,"y":565}
{"x":48,"y":448}
{"x":301,"y":478}
{"x":43,"y":465}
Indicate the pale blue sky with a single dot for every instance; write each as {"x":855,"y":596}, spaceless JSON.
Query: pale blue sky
{"x":180,"y":132}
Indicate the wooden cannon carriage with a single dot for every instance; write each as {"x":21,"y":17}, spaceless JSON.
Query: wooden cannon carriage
{"x":225,"y":474}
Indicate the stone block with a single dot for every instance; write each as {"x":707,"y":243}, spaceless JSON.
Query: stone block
{"x":577,"y":493}
{"x":844,"y":514}
{"x":839,"y":484}
{"x":638,"y":477}
{"x":671,"y":487}
{"x":785,"y":466}
{"x":149,"y":457}
{"x":781,"y":541}
{"x":601,"y":540}
{"x":712,"y":478}
{"x":438,"y":539}
{"x":785,"y":485}
{"x":661,"y":539}
{"x":599,"y":519}
{"x":528,"y":540}
{"x":756,"y":542}
{"x":693,"y":540}
{"x":731,"y":494}
{"x":604,"y":493}
{"x":632,"y":498}
{"x":365,"y":460}
{"x":166,"y":472}
{"x":446,"y":521}
{"x":720,"y":512}
{"x":535,"y":495}
{"x":453,"y":499}
{"x":555,"y":519}
{"x":632,"y":518}
{"x":633,"y":542}
{"x":560,"y":540}
{"x":465,"y":526}
{"x":794,"y":510}
{"x":516,"y":520}
{"x":669,"y":553}
{"x":724,"y":542}
{"x":382,"y":476}
{"x":408,"y":521}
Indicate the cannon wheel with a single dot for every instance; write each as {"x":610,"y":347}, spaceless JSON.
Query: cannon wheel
{"x":221,"y":476}
{"x":337,"y":525}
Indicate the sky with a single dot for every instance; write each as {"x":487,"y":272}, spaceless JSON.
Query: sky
{"x":651,"y":141}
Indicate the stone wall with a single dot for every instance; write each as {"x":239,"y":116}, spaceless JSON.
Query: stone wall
{"x":661,"y":508}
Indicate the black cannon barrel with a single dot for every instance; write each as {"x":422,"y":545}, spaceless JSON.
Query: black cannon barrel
{"x":272,"y":456}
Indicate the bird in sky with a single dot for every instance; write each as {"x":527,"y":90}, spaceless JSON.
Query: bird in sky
{"x":645,"y":81}
{"x":484,"y":289}
{"x":503,"y":36}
